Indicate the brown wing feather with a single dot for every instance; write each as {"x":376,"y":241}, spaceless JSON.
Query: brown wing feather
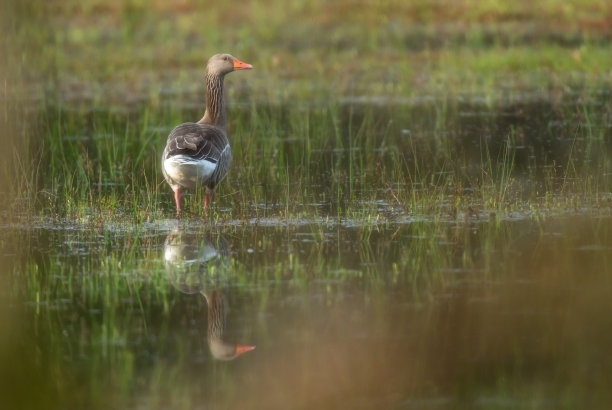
{"x":200,"y":142}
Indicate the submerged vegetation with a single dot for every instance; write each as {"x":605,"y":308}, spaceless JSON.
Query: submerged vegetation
{"x":419,"y":204}
{"x":423,"y":312}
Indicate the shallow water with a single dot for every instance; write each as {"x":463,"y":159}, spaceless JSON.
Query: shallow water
{"x":486,"y":314}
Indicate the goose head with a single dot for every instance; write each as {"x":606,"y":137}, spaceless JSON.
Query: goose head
{"x":221,"y":64}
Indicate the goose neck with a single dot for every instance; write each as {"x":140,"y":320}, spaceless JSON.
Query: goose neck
{"x":215,"y":104}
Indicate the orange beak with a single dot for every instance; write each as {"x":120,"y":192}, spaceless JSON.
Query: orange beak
{"x":240,"y":349}
{"x":239,"y":65}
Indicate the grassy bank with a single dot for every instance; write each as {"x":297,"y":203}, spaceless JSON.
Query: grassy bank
{"x":386,"y":110}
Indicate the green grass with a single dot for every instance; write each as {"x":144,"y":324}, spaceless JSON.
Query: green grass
{"x":329,"y":161}
{"x":375,"y":108}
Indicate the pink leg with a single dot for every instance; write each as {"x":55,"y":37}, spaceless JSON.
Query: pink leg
{"x":207,"y":199}
{"x":177,"y":199}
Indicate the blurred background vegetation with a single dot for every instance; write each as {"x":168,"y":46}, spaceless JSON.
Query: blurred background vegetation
{"x":112,"y":50}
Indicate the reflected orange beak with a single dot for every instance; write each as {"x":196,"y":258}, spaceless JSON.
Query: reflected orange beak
{"x":240,"y":349}
{"x":239,"y":65}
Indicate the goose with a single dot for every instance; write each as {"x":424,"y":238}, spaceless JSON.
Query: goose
{"x":199,"y":154}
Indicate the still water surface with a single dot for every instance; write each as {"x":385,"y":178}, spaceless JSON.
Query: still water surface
{"x":478,"y":314}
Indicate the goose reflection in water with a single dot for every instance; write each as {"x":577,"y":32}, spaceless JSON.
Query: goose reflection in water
{"x":194,"y":265}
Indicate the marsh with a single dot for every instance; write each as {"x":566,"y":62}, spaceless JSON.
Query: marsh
{"x":417,"y":214}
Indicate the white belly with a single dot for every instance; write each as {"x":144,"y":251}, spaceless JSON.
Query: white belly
{"x":187,"y":171}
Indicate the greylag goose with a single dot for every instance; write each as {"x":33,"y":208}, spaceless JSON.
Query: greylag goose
{"x":199,"y":154}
